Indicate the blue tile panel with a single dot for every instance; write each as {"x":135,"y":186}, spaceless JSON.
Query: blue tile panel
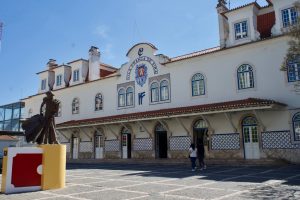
{"x":180,"y":143}
{"x":143,"y":144}
{"x":278,"y":140}
{"x":228,"y":141}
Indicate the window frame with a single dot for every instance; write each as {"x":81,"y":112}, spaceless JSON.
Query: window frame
{"x":59,"y":80}
{"x":99,"y":97}
{"x":252,"y":75}
{"x":76,"y":75}
{"x":161,"y":91}
{"x":202,"y":79}
{"x":124,"y":97}
{"x":290,"y":21}
{"x":295,"y":73}
{"x":127,"y":93}
{"x":157,"y":92}
{"x":240,"y":26}
{"x":74,"y":103}
{"x":44,"y":84}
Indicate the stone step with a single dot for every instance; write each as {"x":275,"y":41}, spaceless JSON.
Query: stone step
{"x":228,"y":162}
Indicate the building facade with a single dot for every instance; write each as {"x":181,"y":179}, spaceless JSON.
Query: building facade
{"x":233,"y":98}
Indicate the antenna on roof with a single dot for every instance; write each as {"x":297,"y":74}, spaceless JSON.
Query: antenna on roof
{"x":1,"y":27}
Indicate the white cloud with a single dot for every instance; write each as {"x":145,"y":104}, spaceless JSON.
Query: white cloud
{"x":102,"y":31}
{"x":107,"y":52}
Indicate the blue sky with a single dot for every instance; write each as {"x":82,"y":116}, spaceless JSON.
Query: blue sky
{"x":35,"y":31}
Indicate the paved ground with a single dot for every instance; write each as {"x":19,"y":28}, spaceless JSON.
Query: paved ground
{"x":151,"y":182}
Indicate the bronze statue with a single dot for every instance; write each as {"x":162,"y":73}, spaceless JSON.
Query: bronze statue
{"x":40,"y":128}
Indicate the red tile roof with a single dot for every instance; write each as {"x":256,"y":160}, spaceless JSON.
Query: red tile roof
{"x":7,"y":137}
{"x":223,"y":106}
{"x":265,"y":23}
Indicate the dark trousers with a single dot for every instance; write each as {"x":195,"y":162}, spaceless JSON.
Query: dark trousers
{"x":201,"y":162}
{"x":193,"y":161}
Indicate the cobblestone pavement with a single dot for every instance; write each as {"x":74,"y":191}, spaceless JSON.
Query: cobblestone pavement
{"x":154,"y":182}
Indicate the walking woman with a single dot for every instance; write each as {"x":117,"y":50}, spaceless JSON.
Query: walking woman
{"x":193,"y":156}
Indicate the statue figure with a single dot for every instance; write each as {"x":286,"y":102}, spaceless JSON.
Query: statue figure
{"x":40,"y":128}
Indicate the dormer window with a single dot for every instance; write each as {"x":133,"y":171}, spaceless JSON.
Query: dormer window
{"x":58,"y":80}
{"x":289,"y":17}
{"x":241,"y":30}
{"x":76,"y":75}
{"x":43,"y":85}
{"x":293,"y":71}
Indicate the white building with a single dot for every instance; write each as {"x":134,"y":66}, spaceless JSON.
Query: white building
{"x":154,"y":106}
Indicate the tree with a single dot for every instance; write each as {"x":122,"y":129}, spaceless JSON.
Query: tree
{"x":293,"y":52}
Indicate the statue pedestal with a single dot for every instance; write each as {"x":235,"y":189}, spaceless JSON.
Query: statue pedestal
{"x":54,"y":166}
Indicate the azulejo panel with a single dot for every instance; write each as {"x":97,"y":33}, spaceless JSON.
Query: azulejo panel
{"x":278,"y":140}
{"x":112,"y":145}
{"x":143,"y":144}
{"x":228,"y":141}
{"x":178,"y":143}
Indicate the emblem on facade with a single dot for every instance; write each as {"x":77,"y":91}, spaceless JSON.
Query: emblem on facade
{"x":141,"y":74}
{"x":140,"y":51}
{"x":142,"y":59}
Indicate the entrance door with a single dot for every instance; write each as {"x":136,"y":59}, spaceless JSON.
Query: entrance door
{"x":161,"y":144}
{"x":199,"y":135}
{"x":99,"y":144}
{"x":200,"y":132}
{"x":251,"y":144}
{"x":126,"y":143}
{"x":75,"y":149}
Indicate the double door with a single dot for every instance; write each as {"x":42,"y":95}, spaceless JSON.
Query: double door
{"x":99,"y":146}
{"x":126,"y":145}
{"x":251,"y":144}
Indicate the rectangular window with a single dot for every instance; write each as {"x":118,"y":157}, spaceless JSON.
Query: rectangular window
{"x":293,"y":71}
{"x":43,"y":85}
{"x":289,"y":17}
{"x":241,"y":30}
{"x":76,"y":75}
{"x":58,"y":80}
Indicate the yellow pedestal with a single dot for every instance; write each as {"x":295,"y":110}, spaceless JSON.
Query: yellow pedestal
{"x":4,"y":170}
{"x":54,"y":166}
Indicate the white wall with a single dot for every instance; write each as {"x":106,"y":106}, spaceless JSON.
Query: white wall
{"x":219,"y":69}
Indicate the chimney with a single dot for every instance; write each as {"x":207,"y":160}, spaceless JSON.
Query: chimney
{"x":94,"y":63}
{"x":223,"y":23}
{"x":51,"y":64}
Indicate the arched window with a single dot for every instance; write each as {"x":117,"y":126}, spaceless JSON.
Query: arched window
{"x":121,"y":97}
{"x":245,"y":77}
{"x":75,"y":106}
{"x":129,"y":96}
{"x":293,"y":71}
{"x":249,"y":125}
{"x":159,"y":127}
{"x":98,"y":102}
{"x":58,"y":114}
{"x":164,"y":90}
{"x":296,"y":126}
{"x":154,"y":92}
{"x":200,"y":124}
{"x":198,"y":85}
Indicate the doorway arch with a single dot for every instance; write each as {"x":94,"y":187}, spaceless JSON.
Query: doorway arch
{"x":161,"y":141}
{"x":126,"y":143}
{"x":250,"y":137}
{"x":200,"y":131}
{"x":75,"y":146}
{"x":99,"y":144}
